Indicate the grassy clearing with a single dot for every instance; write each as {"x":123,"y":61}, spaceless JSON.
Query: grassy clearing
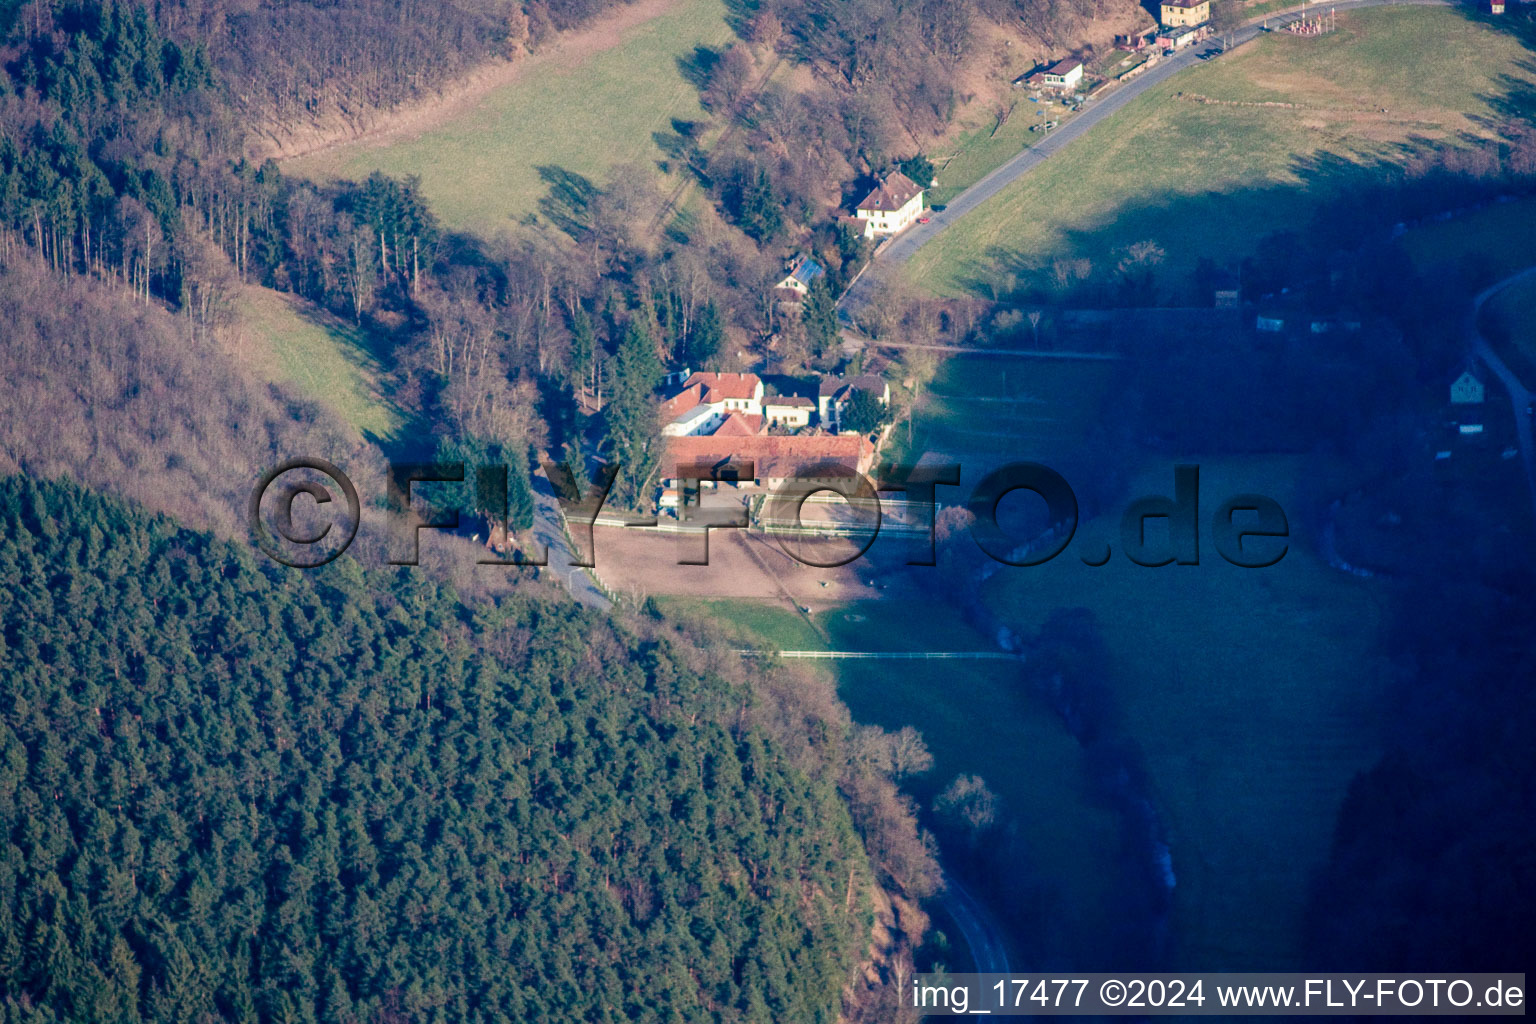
{"x":1161,"y":168}
{"x":1251,"y":694}
{"x":757,"y":624}
{"x":979,"y":409}
{"x":326,"y":358}
{"x":1501,"y":237}
{"x":1255,"y":8}
{"x":480,"y":169}
{"x":1495,"y":241}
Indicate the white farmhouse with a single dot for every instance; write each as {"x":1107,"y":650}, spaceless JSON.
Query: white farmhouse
{"x":707,"y":399}
{"x":895,"y":203}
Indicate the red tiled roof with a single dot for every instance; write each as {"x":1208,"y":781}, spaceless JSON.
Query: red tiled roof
{"x":720,"y":386}
{"x":892,"y":193}
{"x":683,"y":401}
{"x":770,"y":455}
{"x":739,"y":424}
{"x":789,"y":401}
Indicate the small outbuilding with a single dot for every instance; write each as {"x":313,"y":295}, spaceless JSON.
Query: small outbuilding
{"x":1063,"y":76}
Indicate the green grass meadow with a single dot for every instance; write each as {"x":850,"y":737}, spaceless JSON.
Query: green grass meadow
{"x":328,"y":359}
{"x":979,"y":150}
{"x":1497,"y":240}
{"x":765,"y":625}
{"x":1252,"y":694}
{"x":480,"y":169}
{"x":1208,"y":179}
{"x":996,"y":406}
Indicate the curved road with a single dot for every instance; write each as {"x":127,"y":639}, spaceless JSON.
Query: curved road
{"x":549,"y":530}
{"x":1519,"y":397}
{"x":1093,"y":113}
{"x":981,"y":934}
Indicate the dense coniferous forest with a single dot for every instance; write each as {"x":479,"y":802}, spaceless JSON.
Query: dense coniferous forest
{"x":227,"y":792}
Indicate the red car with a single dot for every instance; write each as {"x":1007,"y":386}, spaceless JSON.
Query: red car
{"x":924,"y":220}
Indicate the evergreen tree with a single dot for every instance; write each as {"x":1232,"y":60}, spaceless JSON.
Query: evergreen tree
{"x":818,"y":312}
{"x":632,"y":434}
{"x":862,"y":413}
{"x":759,"y":209}
{"x":503,"y":499}
{"x":705,"y":339}
{"x":919,"y":168}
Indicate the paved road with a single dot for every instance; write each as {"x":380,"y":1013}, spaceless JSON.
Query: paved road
{"x":1519,"y":396}
{"x":1092,"y":114}
{"x":981,"y":934}
{"x":548,"y":529}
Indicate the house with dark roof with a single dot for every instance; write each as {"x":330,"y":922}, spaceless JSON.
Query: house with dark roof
{"x":834,"y":393}
{"x":1467,"y":390}
{"x":892,"y":206}
{"x":1064,"y":76}
{"x":790,"y":412}
{"x":1177,"y":37}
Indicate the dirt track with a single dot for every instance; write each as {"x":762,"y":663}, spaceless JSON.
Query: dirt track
{"x":645,"y":562}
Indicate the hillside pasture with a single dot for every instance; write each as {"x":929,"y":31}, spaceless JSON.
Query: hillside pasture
{"x":1253,"y":142}
{"x":577,"y":113}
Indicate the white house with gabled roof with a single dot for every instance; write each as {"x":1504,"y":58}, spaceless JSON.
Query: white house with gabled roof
{"x":894,"y":204}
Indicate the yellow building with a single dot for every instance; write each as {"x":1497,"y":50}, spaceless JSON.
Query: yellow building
{"x":1179,"y":13}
